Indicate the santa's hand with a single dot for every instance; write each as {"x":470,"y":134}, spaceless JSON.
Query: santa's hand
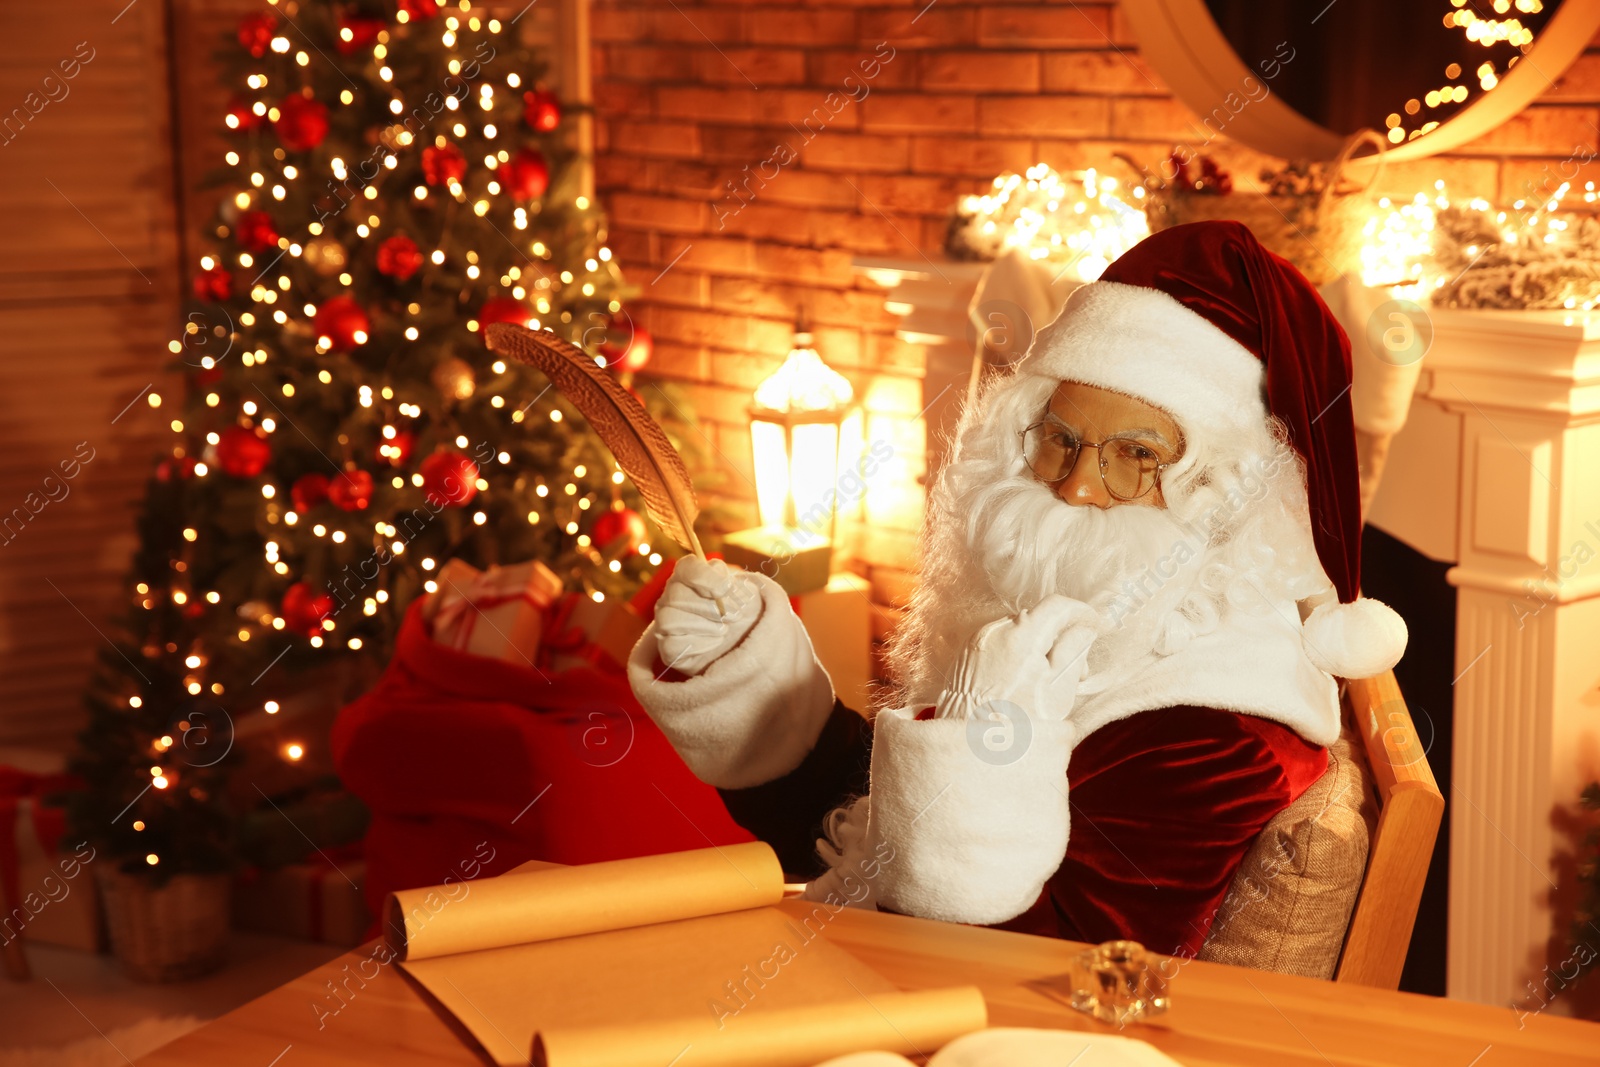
{"x":693,"y":632}
{"x":1033,"y":660}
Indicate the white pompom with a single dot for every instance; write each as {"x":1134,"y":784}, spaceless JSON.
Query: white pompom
{"x":1357,"y":640}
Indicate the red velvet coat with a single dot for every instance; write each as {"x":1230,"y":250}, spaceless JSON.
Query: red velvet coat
{"x":1164,"y":805}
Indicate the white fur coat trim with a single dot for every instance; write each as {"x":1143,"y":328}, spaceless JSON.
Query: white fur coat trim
{"x":1254,"y":662}
{"x":754,"y":713}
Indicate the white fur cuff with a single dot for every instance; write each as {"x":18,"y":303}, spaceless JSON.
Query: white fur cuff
{"x":754,"y":713}
{"x":974,"y":810}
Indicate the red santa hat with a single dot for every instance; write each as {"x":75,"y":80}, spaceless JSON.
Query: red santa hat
{"x":1205,"y":323}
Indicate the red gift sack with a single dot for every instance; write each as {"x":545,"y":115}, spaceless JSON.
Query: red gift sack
{"x":472,"y":765}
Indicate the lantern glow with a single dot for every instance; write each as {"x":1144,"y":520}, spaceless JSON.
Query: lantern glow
{"x":797,"y":422}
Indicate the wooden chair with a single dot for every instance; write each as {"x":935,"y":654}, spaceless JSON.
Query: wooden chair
{"x":1409,"y":809}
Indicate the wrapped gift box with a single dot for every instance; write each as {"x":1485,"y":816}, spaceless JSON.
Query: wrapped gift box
{"x":499,"y":613}
{"x":318,"y":901}
{"x":839,"y":620}
{"x":586,"y":633}
{"x":48,"y":890}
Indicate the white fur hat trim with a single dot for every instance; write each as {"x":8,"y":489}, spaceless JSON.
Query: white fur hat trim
{"x":1146,"y":344}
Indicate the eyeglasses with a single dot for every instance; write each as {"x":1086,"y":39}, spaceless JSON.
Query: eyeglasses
{"x":1128,"y":469}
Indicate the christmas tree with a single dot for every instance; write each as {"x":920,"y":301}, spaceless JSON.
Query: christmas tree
{"x":396,"y":179}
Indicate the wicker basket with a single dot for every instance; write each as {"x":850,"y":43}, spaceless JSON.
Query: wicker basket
{"x":168,"y":933}
{"x":1321,"y":235}
{"x":1323,"y":244}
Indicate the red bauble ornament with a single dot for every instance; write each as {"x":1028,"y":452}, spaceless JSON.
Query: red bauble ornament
{"x":214,"y":284}
{"x":541,"y":110}
{"x":357,"y":32}
{"x":526,"y":175}
{"x":440,"y":166}
{"x":256,"y":32}
{"x":628,"y":346}
{"x":398,"y":257}
{"x":302,"y":122}
{"x":255,"y":231}
{"x":343,"y":322}
{"x":449,"y":479}
{"x":208,"y":375}
{"x":502,"y":309}
{"x":419,"y":9}
{"x":620,"y":531}
{"x":396,"y":450}
{"x":351,"y":490}
{"x":242,"y":108}
{"x":308,"y":491}
{"x":242,"y":452}
{"x":303,"y":610}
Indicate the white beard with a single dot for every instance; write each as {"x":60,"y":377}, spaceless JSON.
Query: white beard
{"x":1133,"y":564}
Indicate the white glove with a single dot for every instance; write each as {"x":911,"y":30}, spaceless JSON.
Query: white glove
{"x":691,"y":632}
{"x":1033,"y":660}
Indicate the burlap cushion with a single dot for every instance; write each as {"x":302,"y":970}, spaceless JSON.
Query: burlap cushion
{"x":1290,"y":902}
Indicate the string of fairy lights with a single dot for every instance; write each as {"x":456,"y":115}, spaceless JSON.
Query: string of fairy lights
{"x":1487,"y":31}
{"x":282,"y":322}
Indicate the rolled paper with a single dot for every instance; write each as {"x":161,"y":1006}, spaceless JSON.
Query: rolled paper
{"x":516,"y":909}
{"x":916,"y":1023}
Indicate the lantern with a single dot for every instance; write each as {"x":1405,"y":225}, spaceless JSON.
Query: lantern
{"x":797,"y":424}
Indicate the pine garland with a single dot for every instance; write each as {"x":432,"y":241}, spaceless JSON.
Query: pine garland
{"x":1499,"y":259}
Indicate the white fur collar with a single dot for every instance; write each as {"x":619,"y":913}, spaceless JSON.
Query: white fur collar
{"x":1253,"y":662}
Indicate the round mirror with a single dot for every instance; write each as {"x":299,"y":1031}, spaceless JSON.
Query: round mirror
{"x":1296,"y":80}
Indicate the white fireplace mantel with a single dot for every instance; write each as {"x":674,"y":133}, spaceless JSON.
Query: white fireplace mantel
{"x":1497,"y":470}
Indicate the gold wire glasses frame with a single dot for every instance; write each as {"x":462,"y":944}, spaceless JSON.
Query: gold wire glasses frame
{"x":1128,"y":471}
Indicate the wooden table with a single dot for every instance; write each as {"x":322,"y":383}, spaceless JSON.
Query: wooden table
{"x":357,"y":1010}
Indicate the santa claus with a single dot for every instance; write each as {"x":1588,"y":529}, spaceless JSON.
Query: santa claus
{"x":1140,"y":580}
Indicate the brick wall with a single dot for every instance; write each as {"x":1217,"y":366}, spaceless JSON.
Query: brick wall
{"x":891,"y":111}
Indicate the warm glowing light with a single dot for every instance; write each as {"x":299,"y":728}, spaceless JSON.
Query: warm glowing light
{"x":1398,"y":241}
{"x":795,"y":435}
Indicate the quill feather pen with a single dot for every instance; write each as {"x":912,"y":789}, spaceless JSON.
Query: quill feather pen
{"x":637,"y":441}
